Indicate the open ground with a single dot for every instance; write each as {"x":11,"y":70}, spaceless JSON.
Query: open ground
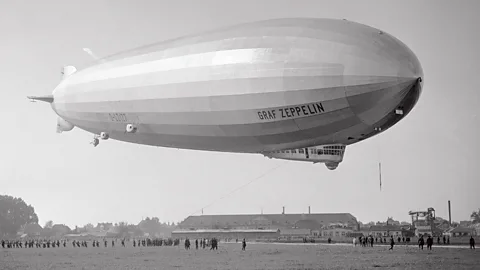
{"x":230,"y":256}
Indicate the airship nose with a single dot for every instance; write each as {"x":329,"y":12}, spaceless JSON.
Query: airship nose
{"x":391,"y":83}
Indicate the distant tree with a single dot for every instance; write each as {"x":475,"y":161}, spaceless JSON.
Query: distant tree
{"x":48,"y":224}
{"x":137,"y":231}
{"x":475,"y":216}
{"x":14,"y":213}
{"x":122,"y":229}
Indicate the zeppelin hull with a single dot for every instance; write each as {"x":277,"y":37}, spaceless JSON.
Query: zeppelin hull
{"x":255,"y":87}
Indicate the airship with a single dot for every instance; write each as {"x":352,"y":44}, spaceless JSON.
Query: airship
{"x":298,"y":89}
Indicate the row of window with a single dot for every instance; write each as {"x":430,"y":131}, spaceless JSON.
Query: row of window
{"x":335,"y":147}
{"x":336,"y":233}
{"x":313,"y":151}
{"x":384,"y":234}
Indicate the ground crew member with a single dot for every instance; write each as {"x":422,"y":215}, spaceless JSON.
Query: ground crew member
{"x":472,"y":243}
{"x":392,"y":242}
{"x":244,"y":244}
{"x":429,"y":242}
{"x":421,"y":242}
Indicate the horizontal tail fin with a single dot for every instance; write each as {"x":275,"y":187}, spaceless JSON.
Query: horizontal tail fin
{"x":47,"y":98}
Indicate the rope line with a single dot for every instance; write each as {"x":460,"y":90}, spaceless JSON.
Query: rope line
{"x":238,"y":188}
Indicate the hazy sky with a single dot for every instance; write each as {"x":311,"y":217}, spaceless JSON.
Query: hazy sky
{"x":430,"y":157}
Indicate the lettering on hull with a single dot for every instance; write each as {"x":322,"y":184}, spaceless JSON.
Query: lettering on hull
{"x":291,"y":112}
{"x":118,"y":117}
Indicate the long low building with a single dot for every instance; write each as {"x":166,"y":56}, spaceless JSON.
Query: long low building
{"x":263,"y":226}
{"x":223,"y":234}
{"x":268,"y":221}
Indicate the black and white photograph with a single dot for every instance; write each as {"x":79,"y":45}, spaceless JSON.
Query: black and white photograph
{"x":228,"y":134}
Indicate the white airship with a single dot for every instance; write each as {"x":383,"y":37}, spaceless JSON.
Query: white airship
{"x":296,"y":89}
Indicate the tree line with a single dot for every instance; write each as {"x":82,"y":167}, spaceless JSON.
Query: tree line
{"x":16,"y":213}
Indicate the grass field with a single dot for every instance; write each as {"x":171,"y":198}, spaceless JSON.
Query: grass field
{"x":230,"y":256}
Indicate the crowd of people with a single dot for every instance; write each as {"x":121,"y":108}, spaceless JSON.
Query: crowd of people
{"x":212,"y":243}
{"x":364,"y":241}
{"x":47,"y":243}
{"x":147,"y":242}
{"x":369,"y":240}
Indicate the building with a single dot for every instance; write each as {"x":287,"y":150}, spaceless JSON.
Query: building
{"x":267,"y":221}
{"x":59,"y":230}
{"x":385,"y":231}
{"x":104,"y":226}
{"x":226,"y":234}
{"x":313,"y":227}
{"x":476,"y":228}
{"x":391,"y":221}
{"x":294,"y":233}
{"x":466,"y":223}
{"x":336,"y":232}
{"x":289,"y":226}
{"x":461,"y":231}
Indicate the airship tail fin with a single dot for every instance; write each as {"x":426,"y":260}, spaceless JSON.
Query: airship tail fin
{"x":94,"y":56}
{"x":89,"y":52}
{"x":47,"y":98}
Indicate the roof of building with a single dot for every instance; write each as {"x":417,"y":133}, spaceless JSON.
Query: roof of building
{"x":308,"y":224}
{"x":224,"y":231}
{"x":276,"y":219}
{"x":461,"y":229}
{"x":295,"y":232}
{"x":60,"y":227}
{"x":385,"y":228}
